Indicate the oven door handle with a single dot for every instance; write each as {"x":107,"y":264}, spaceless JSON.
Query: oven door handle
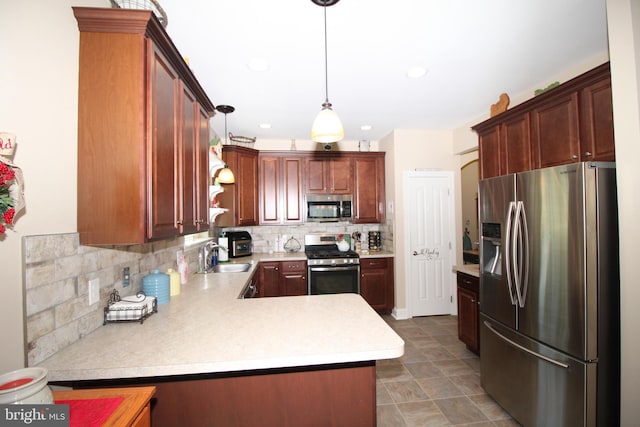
{"x":350,"y":268}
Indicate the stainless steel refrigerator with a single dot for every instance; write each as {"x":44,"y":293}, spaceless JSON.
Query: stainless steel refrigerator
{"x":549,"y":295}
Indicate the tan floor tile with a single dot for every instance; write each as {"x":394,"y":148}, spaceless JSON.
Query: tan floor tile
{"x":422,"y":414}
{"x":468,"y":384}
{"x":436,"y":382}
{"x":460,"y":410}
{"x":389,"y":416}
{"x":491,"y":409}
{"x":382,"y":395}
{"x":423,"y":370}
{"x":439,"y":387}
{"x":405,"y":391}
{"x":453,"y":367}
{"x":393,"y":373}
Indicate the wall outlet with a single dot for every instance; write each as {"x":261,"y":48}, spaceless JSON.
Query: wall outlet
{"x":94,"y":291}
{"x":126,"y":277}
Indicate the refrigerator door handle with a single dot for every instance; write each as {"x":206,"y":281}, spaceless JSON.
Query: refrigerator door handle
{"x":520,"y":253}
{"x":508,"y":261}
{"x":526,"y":350}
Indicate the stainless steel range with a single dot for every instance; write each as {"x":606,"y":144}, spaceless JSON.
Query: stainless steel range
{"x":330,"y":271}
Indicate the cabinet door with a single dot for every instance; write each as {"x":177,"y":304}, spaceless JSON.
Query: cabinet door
{"x":555,"y":131}
{"x":516,"y":144}
{"x":188,"y":158}
{"x":376,"y":283}
{"x":316,"y":176}
{"x":163,"y":200}
{"x":247,"y":189}
{"x":241,"y":197}
{"x":202,"y":171}
{"x":468,"y":318}
{"x":369,"y":201}
{"x":328,"y":176}
{"x":269,"y":279}
{"x":294,"y":278}
{"x":489,"y":152}
{"x":292,"y":193}
{"x":280,"y":189}
{"x":597,"y":141}
{"x":270,"y":189}
{"x":340,"y":178}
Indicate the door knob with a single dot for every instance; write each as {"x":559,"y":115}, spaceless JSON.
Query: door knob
{"x":415,"y":253}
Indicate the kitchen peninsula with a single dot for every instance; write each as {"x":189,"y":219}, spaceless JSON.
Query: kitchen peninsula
{"x":219,"y":360}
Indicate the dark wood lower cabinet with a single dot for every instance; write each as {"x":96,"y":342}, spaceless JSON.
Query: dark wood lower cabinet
{"x":322,"y":396}
{"x":469,"y":311}
{"x":376,"y":283}
{"x":282,"y":278}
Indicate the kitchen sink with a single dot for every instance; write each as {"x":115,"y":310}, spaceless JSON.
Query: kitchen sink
{"x":231,"y":268}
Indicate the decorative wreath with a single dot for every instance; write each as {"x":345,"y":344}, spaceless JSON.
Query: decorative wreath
{"x":11,"y":184}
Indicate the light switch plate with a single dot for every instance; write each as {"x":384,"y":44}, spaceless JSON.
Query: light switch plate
{"x":94,"y":291}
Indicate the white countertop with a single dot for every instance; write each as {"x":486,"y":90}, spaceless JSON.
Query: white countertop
{"x":471,"y":269}
{"x":208,"y":329}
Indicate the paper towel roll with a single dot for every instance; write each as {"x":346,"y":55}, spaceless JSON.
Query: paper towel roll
{"x":223,"y":255}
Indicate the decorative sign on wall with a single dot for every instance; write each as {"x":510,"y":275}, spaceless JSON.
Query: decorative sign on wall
{"x":429,"y":253}
{"x":11,"y":183}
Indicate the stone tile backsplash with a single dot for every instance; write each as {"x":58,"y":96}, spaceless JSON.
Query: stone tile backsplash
{"x":57,"y":270}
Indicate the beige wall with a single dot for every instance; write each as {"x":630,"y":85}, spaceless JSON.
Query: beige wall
{"x":412,"y":149}
{"x":38,"y":82}
{"x":624,"y":41}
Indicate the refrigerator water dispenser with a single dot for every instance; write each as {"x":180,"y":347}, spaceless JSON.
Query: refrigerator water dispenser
{"x":491,"y":249}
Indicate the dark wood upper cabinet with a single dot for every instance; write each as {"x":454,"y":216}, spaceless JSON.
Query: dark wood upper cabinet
{"x":516,"y":146}
{"x":280,"y":188}
{"x":328,"y":174}
{"x":368,"y":188}
{"x":140,"y":132}
{"x":241,"y":197}
{"x":597,"y":140}
{"x":570,"y":123}
{"x":556,"y":131}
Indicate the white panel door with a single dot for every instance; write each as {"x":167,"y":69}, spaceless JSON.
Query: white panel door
{"x":429,"y":233}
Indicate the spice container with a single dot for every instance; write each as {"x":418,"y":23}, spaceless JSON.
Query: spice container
{"x":375,"y":241}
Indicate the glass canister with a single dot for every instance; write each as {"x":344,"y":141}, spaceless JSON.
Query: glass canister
{"x":156,"y":285}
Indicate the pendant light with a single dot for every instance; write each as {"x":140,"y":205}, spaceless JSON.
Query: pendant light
{"x":327,"y":127}
{"x":225,"y":176}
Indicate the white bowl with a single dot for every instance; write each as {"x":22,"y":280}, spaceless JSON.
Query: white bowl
{"x":28,"y":385}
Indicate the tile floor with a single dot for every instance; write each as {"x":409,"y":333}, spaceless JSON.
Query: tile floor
{"x":436,"y":382}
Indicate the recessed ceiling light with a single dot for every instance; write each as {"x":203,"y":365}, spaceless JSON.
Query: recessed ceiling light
{"x":366,"y":127}
{"x":265,"y":125}
{"x":258,"y":64}
{"x":416,"y":72}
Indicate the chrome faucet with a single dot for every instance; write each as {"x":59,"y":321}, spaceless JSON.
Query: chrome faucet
{"x":204,"y":259}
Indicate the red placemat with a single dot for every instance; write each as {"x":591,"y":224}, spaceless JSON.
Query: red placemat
{"x":90,"y":412}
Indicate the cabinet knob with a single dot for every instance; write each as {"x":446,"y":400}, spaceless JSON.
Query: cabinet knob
{"x":574,"y":157}
{"x":179,"y":222}
{"x":587,"y":154}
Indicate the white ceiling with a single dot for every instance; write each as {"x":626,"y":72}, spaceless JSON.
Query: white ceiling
{"x":473,"y":51}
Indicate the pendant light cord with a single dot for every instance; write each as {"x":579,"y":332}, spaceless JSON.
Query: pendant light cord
{"x":326,"y":66}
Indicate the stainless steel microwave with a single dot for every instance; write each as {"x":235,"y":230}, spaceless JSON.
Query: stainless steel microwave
{"x":329,"y":207}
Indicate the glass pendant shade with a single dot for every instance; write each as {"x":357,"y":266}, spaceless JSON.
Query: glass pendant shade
{"x":327,"y":127}
{"x":225,"y":176}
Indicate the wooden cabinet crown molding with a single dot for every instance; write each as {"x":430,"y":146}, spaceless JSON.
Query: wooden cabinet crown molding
{"x":573,"y":85}
{"x":144,"y":23}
